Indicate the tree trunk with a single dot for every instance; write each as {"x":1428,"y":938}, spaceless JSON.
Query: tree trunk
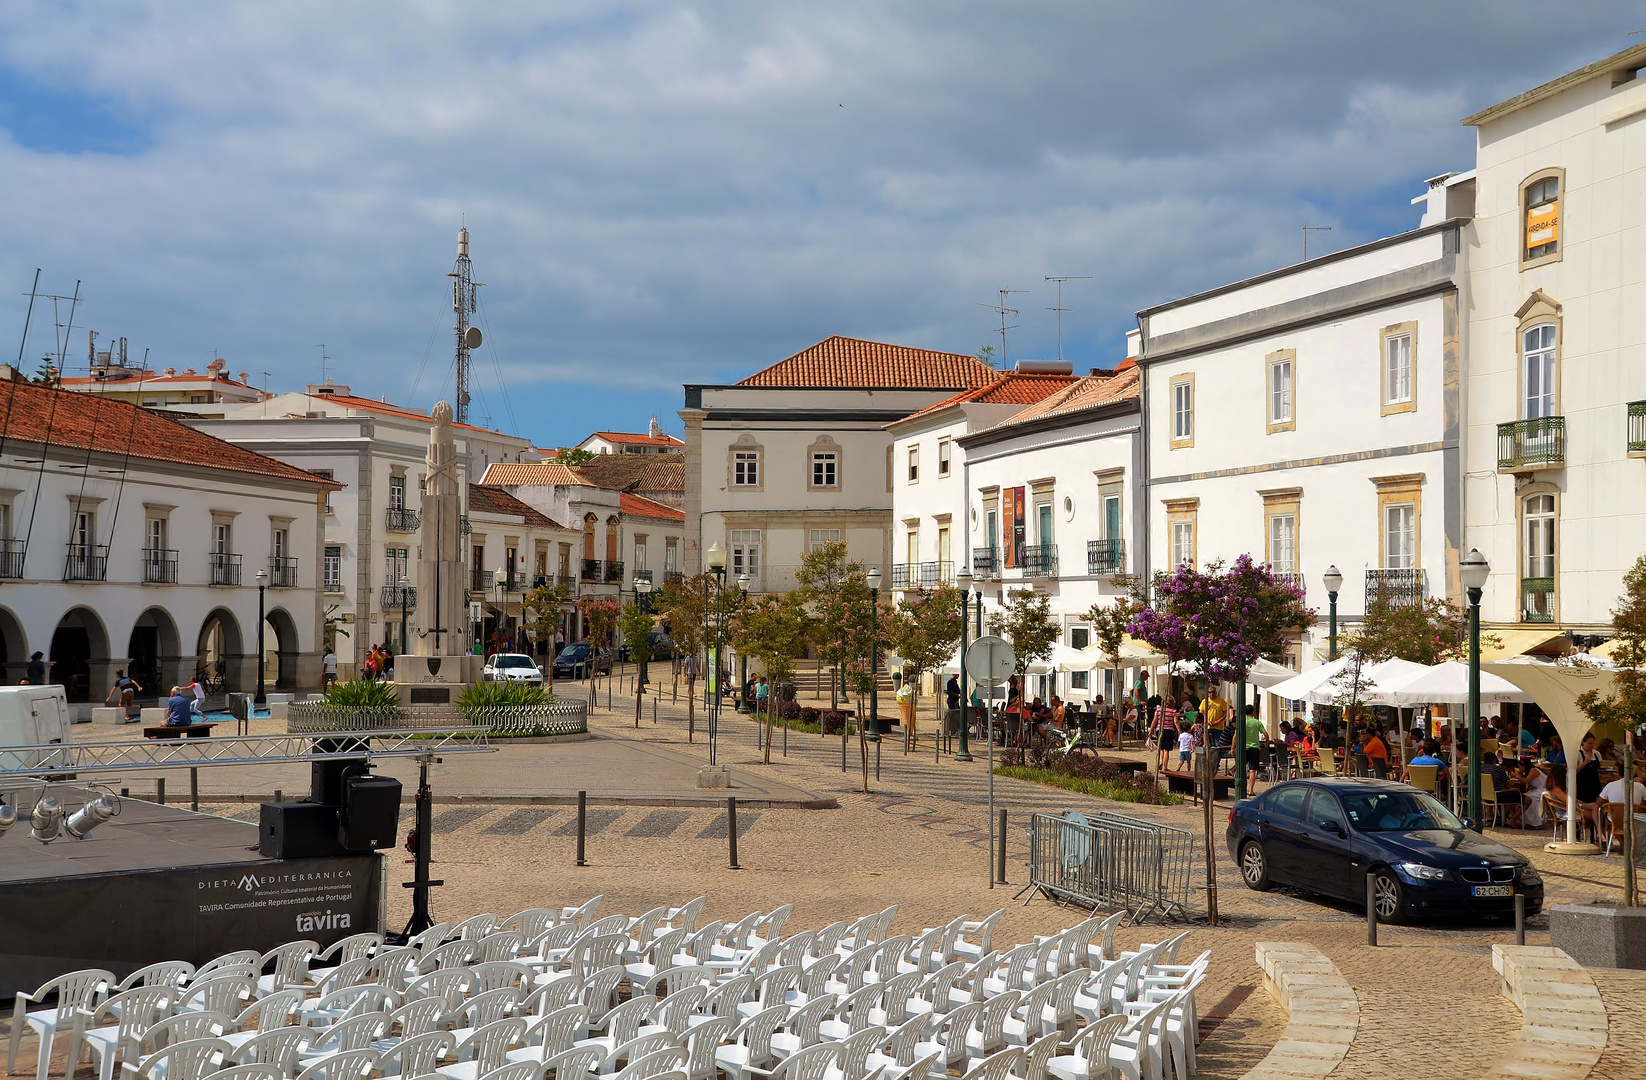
{"x":691,"y":708}
{"x":771,"y":714}
{"x":863,"y":746}
{"x":834,"y":688}
{"x":638,"y":690}
{"x":1210,"y":796}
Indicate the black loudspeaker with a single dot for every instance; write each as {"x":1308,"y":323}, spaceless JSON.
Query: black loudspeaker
{"x":371,"y":812}
{"x":298,"y":830}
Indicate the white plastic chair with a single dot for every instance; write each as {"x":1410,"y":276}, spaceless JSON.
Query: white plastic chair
{"x":486,"y":1049}
{"x":1135,"y":1051}
{"x":532,"y":922}
{"x":581,"y":915}
{"x":474,"y":927}
{"x":133,"y":1012}
{"x":552,"y":1034}
{"x":900,"y":1045}
{"x":1036,"y":1055}
{"x":685,"y":916}
{"x":812,"y":1063}
{"x":281,"y":1047}
{"x":701,"y":1042}
{"x":578,"y":1063}
{"x":291,"y":965}
{"x":519,"y":1070}
{"x":254,"y":1071}
{"x":657,"y":1063}
{"x":348,"y":1065}
{"x":230,"y":963}
{"x":1089,"y":1057}
{"x":191,"y":1059}
{"x":949,"y":1034}
{"x":172,"y":973}
{"x":171,"y":1031}
{"x":416,"y":1055}
{"x":75,"y":991}
{"x":749,"y":1051}
{"x":803,"y":1026}
{"x":229,"y":994}
{"x":852,"y":1062}
{"x":997,"y":1066}
{"x":983,"y":937}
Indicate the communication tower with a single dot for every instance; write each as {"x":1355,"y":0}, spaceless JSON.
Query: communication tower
{"x":463,"y":303}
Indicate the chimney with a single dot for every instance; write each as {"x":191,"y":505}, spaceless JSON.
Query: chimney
{"x":656,"y":429}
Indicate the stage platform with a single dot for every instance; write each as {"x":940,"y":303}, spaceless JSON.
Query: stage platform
{"x":161,"y":883}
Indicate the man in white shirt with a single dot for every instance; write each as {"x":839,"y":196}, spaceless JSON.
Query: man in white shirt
{"x":1613,"y":792}
{"x":328,"y":665}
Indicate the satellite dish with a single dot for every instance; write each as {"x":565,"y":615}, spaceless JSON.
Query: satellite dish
{"x":472,"y":338}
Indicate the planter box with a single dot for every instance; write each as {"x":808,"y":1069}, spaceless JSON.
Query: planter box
{"x":1601,"y":937}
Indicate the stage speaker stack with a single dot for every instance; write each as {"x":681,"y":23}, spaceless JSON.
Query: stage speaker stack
{"x":349,"y":811}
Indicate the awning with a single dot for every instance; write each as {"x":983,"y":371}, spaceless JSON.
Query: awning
{"x":1607,"y":651}
{"x":1449,"y":682}
{"x":1514,"y":642}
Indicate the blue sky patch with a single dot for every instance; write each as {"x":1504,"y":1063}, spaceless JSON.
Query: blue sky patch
{"x":58,"y":120}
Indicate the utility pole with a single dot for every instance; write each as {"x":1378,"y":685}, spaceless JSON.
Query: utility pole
{"x":1060,"y":309}
{"x":1307,"y":229}
{"x":1002,"y":310}
{"x":463,"y":304}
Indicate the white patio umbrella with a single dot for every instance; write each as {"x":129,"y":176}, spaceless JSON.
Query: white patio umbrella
{"x":1449,"y":682}
{"x":1299,"y":687}
{"x":1376,"y":680}
{"x":1133,"y":653}
{"x":1264,"y":673}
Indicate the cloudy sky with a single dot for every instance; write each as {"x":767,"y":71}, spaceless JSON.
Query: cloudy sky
{"x":662,"y":193}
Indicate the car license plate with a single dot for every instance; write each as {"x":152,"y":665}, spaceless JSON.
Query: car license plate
{"x":1492,"y":890}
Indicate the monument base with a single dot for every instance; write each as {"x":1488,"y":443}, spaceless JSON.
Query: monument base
{"x":435,"y":680}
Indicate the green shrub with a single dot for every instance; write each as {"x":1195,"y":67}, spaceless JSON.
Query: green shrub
{"x":362,"y":694}
{"x":1118,"y":789}
{"x":497,"y":695}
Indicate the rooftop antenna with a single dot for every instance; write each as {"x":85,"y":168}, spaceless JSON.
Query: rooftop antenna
{"x":323,"y":359}
{"x":463,"y":303}
{"x":1060,"y":309}
{"x":1002,"y":310}
{"x":1307,"y":229}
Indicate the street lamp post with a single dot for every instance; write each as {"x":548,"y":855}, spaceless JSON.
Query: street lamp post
{"x":716,"y":559}
{"x":874,"y":656}
{"x":1334,"y":582}
{"x":500,"y":583}
{"x":262,"y":583}
{"x":643,"y":599}
{"x":405,"y":595}
{"x":743,"y":657}
{"x":964,"y":580}
{"x":1474,"y":570}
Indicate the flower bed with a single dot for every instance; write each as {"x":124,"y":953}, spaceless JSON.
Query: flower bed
{"x":1086,"y":774}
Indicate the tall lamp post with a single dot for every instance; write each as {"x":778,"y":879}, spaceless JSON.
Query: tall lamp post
{"x":743,"y":657}
{"x":643,"y":600}
{"x":262,"y":583}
{"x":405,"y":595}
{"x":1474,"y":570}
{"x":964,"y":580}
{"x":716,"y":558}
{"x":500,"y":586}
{"x":1334,"y":582}
{"x":874,"y":656}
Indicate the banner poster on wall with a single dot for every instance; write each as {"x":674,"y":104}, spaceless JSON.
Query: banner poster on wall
{"x":1020,"y":524}
{"x":1008,"y":515}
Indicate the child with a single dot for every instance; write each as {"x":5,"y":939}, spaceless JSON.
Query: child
{"x":1185,"y":748}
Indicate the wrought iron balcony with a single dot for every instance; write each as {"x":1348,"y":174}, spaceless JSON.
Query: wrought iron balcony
{"x":1294,"y":580}
{"x":480,"y":580}
{"x":225,"y":568}
{"x":673,"y":577}
{"x":1537,"y":600}
{"x":1040,"y":561}
{"x":11,"y":558}
{"x":159,"y":566}
{"x":1105,"y":556}
{"x":986,"y":564}
{"x":614,"y":570}
{"x":400,"y":519}
{"x":922,"y":575}
{"x":393,"y":595}
{"x":591,"y":570}
{"x":1399,"y":588}
{"x":1637,"y":427}
{"x":282,"y":573}
{"x":463,"y":526}
{"x":87,"y":562}
{"x":1532,"y":444}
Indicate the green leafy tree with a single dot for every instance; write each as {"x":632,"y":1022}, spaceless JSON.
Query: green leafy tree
{"x":771,"y":628}
{"x":1026,"y":621}
{"x":925,"y":631}
{"x":1426,"y":632}
{"x":635,"y":624}
{"x":600,"y":614}
{"x":835,"y":590}
{"x":1625,"y":705}
{"x":540,"y":612}
{"x":47,"y":373}
{"x":566,"y":456}
{"x":1109,"y":622}
{"x":985,"y":355}
{"x":687,"y":606}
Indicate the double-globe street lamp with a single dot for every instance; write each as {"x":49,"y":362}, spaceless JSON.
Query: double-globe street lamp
{"x":262,"y":657}
{"x":715,"y":558}
{"x":1474,"y":571}
{"x":964,"y":580}
{"x":643,"y":600}
{"x":873,"y":731}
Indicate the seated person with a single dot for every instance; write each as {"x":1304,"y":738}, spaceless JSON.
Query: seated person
{"x":1526,"y":740}
{"x":1430,"y":756}
{"x":1507,"y":795}
{"x":1613,"y":792}
{"x":1558,"y":796}
{"x":179,"y":708}
{"x":1532,"y":783}
{"x":1376,"y":752}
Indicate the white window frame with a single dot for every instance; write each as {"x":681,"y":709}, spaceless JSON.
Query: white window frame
{"x":1539,"y":526}
{"x":1397,"y":369}
{"x":816,"y":538}
{"x":944,"y":452}
{"x":1540,"y":371}
{"x":745,"y":468}
{"x":154,"y":532}
{"x":914,"y":463}
{"x":825,"y":468}
{"x":331,"y":568}
{"x":1283,"y":542}
{"x":1281,"y":404}
{"x":1399,"y":536}
{"x":743,"y":556}
{"x":1182,"y":541}
{"x":397,"y":492}
{"x":1182,"y":405}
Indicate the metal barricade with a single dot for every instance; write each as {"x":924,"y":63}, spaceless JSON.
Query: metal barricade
{"x":1112,"y":861}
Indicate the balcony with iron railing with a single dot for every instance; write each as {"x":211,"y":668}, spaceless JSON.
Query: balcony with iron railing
{"x":1637,"y":428}
{"x":401,"y":519}
{"x":1532,"y":444}
{"x":282,"y":573}
{"x":1040,"y":561}
{"x":86,"y":562}
{"x":922,"y":575}
{"x":1287,"y":577}
{"x":480,"y":580}
{"x":986,"y":564}
{"x":159,"y":566}
{"x":225,"y":567}
{"x":1537,"y":600}
{"x":12,"y":554}
{"x":1105,"y":556}
{"x":614,"y":571}
{"x":1399,"y":587}
{"x":393,"y":595}
{"x":672,"y":577}
{"x":591,"y":570}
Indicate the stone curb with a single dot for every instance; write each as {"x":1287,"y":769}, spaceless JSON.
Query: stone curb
{"x":701,"y":802}
{"x":1324,"y":1012}
{"x":1563,"y":1020}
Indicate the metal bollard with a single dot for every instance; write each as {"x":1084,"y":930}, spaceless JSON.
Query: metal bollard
{"x":1000,"y":851}
{"x":160,"y":791}
{"x":731,"y":828}
{"x":877,"y":761}
{"x":1371,"y":910}
{"x":582,"y":822}
{"x":194,"y":789}
{"x":654,"y":709}
{"x":125,"y":793}
{"x":1520,"y":918}
{"x":277,"y":795}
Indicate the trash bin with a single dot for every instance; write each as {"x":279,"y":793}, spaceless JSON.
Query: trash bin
{"x":240,"y":706}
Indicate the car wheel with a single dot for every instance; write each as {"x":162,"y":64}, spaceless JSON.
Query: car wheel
{"x":1388,"y":898}
{"x":1254,"y":866}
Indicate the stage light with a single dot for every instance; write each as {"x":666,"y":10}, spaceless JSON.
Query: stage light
{"x":48,"y":819}
{"x":8,"y":817}
{"x":91,"y":815}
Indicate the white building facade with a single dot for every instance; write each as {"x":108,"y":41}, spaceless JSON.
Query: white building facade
{"x":1313,"y":417}
{"x":1556,"y":388}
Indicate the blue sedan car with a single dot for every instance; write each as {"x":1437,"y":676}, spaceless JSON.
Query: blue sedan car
{"x":1329,"y":835}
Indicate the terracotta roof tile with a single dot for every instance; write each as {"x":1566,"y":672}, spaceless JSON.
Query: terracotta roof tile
{"x":1008,"y":388}
{"x":77,"y":421}
{"x":849,"y":362}
{"x":494,"y":500}
{"x":510,"y":474}
{"x":1088,"y":392}
{"x":349,"y":401}
{"x":643,"y":507}
{"x":636,"y":438}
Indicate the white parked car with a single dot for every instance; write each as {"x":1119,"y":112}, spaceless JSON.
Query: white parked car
{"x":511,"y":667}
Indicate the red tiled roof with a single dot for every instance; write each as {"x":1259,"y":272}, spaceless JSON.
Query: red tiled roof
{"x":510,"y":474}
{"x":65,"y":418}
{"x":643,"y":507}
{"x":849,"y":362}
{"x":1009,"y":388}
{"x":349,"y":401}
{"x":1089,"y":392}
{"x":636,"y":438}
{"x":494,"y":500}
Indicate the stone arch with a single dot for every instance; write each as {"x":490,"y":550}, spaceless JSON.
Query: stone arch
{"x":281,"y":640}
{"x":14,"y":647}
{"x":153,"y":652}
{"x":79,"y":654}
{"x":220,"y":649}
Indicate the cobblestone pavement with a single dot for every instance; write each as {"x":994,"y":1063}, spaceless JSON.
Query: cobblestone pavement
{"x":920,"y":839}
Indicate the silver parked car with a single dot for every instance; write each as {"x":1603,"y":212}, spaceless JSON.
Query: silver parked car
{"x":511,"y":667}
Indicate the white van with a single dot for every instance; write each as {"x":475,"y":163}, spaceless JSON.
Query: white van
{"x":31,"y":716}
